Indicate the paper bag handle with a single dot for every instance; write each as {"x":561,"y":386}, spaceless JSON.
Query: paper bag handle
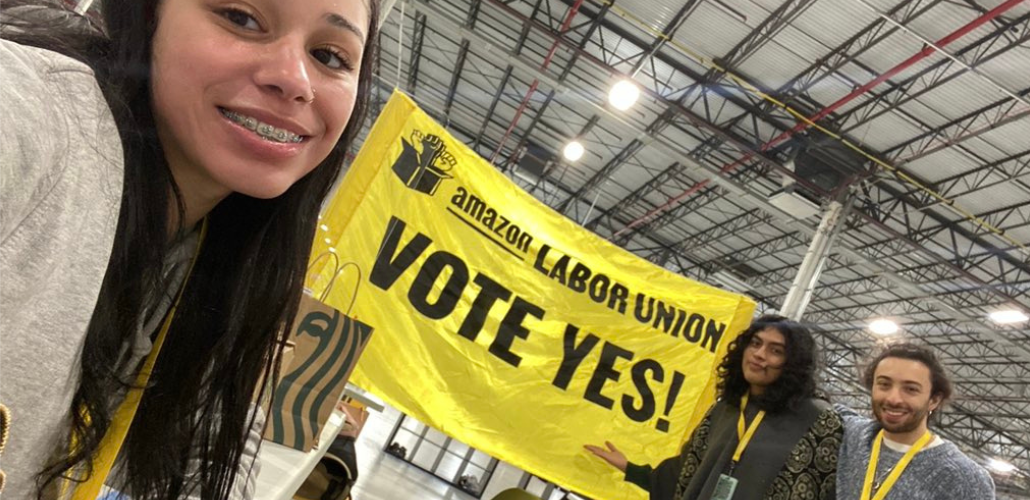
{"x":336,"y":268}
{"x":337,"y":271}
{"x":357,"y":286}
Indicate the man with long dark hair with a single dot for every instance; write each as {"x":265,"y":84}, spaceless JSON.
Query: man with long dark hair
{"x":766,"y":436}
{"x":895,"y":455}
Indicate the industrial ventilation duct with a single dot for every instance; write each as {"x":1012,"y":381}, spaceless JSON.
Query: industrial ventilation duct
{"x":821,"y":161}
{"x":826,"y":163}
{"x":534,"y":161}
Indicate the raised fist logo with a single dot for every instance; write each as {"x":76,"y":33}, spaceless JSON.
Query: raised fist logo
{"x":424,"y":170}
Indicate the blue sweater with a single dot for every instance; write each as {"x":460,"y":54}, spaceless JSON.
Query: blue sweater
{"x":939,"y":473}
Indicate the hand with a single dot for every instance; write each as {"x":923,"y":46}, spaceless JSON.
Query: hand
{"x":612,"y":455}
{"x":354,"y":421}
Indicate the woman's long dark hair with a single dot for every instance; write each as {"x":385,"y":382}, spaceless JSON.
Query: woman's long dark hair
{"x":243,"y":292}
{"x":797,"y":380}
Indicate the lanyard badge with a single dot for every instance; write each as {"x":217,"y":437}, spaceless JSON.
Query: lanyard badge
{"x":895,"y":473}
{"x":727,"y":483}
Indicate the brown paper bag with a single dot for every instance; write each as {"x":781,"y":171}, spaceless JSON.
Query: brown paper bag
{"x":328,"y":344}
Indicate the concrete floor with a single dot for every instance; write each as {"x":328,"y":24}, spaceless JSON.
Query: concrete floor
{"x":385,"y":477}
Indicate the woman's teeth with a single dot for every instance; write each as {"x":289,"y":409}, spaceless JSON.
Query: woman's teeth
{"x":260,"y":128}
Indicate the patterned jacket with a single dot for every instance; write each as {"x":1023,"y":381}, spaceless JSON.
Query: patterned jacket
{"x":809,"y":472}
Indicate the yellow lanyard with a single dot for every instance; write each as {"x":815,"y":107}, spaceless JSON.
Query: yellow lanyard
{"x":114,"y":438}
{"x":895,"y":473}
{"x":745,"y":435}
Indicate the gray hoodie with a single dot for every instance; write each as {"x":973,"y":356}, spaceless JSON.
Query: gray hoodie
{"x":60,"y":187}
{"x":61,"y":170}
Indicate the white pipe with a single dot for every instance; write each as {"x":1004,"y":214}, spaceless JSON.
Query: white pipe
{"x":384,"y":11}
{"x":83,"y":7}
{"x":811,"y":267}
{"x":400,"y":45}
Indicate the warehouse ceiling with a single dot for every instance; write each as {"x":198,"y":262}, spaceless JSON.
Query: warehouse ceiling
{"x":754,"y":116}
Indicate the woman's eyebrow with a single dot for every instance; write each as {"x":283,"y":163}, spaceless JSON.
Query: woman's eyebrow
{"x":339,"y":21}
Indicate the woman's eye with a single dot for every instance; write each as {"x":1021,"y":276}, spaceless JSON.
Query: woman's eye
{"x":241,"y":19}
{"x":330,"y":58}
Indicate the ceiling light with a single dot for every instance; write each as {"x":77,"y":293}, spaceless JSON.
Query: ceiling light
{"x":883,"y":327}
{"x":623,"y":94}
{"x":1007,"y":317}
{"x":573,"y":151}
{"x":1000,"y":466}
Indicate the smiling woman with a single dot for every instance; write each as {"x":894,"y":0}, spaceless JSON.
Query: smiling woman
{"x":235,"y":87}
{"x":766,"y":437}
{"x":176,"y":154}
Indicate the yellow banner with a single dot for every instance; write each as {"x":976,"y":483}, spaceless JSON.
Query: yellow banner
{"x":507,"y":326}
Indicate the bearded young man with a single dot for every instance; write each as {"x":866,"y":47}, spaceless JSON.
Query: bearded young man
{"x":895,"y":456}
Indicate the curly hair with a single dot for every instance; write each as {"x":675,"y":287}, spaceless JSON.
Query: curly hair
{"x":940,"y":382}
{"x":797,"y":380}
